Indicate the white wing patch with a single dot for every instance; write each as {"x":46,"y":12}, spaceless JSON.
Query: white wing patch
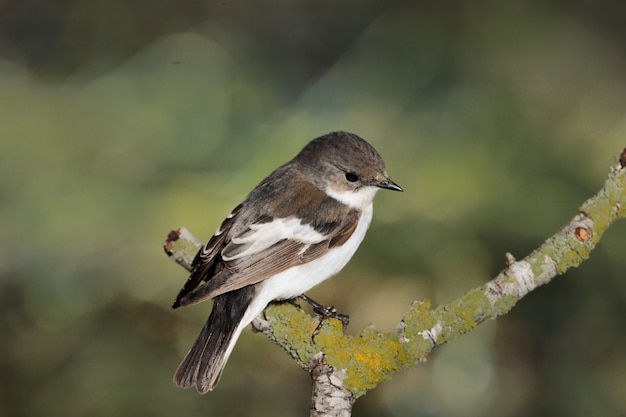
{"x":263,"y":236}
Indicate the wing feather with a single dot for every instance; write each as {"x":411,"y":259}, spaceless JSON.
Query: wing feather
{"x":206,"y":263}
{"x":271,"y":259}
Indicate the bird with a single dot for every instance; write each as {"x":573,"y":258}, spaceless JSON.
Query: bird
{"x":296,"y":228}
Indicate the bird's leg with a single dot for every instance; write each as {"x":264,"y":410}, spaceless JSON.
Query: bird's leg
{"x":326,"y":312}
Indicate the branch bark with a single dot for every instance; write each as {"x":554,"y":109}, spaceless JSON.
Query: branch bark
{"x":345,"y":367}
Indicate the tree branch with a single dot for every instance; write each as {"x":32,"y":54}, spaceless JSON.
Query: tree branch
{"x":345,"y":367}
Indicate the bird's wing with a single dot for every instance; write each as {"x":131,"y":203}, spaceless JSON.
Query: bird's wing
{"x":266,"y":248}
{"x":207,"y":261}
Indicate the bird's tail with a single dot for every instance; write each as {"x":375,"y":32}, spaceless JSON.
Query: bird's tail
{"x":205,"y":361}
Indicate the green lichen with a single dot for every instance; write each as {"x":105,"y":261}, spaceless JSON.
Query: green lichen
{"x":418,"y":318}
{"x":368,"y":358}
{"x":183,"y":249}
{"x":416,"y":347}
{"x":503,"y":305}
{"x":609,"y":204}
{"x":292,"y":329}
{"x":462,"y":315}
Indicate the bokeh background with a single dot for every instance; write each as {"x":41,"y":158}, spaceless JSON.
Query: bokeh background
{"x":122,"y":120}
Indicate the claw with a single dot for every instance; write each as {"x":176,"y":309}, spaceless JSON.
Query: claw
{"x":326,"y":312}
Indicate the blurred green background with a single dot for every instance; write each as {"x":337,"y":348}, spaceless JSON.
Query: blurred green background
{"x":123,"y":120}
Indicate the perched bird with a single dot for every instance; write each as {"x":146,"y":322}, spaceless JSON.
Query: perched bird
{"x":298,"y":227}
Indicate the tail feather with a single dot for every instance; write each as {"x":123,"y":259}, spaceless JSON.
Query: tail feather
{"x":205,"y":361}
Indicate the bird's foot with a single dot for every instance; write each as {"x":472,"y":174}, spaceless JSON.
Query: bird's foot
{"x":326,"y":312}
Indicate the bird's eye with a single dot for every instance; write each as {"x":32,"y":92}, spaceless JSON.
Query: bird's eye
{"x":352,"y":177}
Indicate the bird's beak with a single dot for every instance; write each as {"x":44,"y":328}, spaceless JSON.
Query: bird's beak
{"x":390,"y":185}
